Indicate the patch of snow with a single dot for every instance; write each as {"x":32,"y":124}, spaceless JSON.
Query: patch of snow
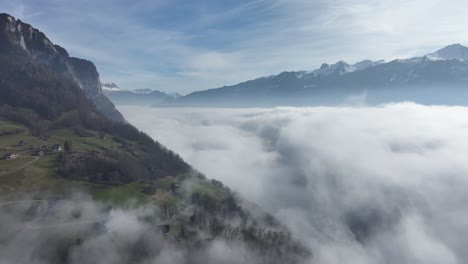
{"x":367,"y":64}
{"x":340,"y":68}
{"x":143,"y":91}
{"x":110,"y":89}
{"x":430,"y":57}
{"x":174,"y":95}
{"x":410,"y":60}
{"x":301,"y":74}
{"x":110,"y":86}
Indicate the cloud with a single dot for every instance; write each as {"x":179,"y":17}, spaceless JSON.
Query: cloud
{"x":357,"y":185}
{"x":81,"y":230}
{"x":252,"y":3}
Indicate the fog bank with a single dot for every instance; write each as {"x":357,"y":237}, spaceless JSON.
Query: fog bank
{"x":357,"y":185}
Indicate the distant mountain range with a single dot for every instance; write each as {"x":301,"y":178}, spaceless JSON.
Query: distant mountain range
{"x":436,"y":78}
{"x":136,"y":97}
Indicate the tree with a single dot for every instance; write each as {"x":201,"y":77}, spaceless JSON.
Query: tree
{"x":68,"y":146}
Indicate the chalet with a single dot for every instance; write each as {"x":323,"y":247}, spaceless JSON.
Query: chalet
{"x":57,"y":148}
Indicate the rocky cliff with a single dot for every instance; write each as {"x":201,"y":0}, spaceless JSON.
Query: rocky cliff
{"x":22,"y":40}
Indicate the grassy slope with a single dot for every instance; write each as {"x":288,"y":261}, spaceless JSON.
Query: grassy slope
{"x":42,"y":176}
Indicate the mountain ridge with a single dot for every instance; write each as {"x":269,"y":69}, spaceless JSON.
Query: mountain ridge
{"x":420,"y":79}
{"x":140,"y":97}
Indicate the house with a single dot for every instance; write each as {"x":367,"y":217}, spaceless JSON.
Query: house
{"x":57,"y":148}
{"x":11,"y":156}
{"x":40,"y":153}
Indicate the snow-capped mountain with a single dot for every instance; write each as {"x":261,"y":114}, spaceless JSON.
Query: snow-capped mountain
{"x":436,"y":78}
{"x":136,"y":97}
{"x":455,"y":51}
{"x":143,"y":91}
{"x":110,"y":86}
{"x":339,"y":68}
{"x":366,"y":64}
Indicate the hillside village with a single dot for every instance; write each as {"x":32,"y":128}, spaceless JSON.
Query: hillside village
{"x":38,"y":151}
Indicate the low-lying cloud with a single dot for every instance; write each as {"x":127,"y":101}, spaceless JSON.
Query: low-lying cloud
{"x":357,"y":185}
{"x":81,"y":230}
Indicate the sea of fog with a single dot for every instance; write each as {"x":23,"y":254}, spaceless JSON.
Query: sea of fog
{"x":382,"y":184}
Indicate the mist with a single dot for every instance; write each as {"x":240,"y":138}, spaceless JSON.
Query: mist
{"x":81,"y":230}
{"x":356,"y":185}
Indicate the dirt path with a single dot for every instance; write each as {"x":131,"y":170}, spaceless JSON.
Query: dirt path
{"x":21,"y":167}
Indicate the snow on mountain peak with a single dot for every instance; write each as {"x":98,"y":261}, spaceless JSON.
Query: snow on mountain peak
{"x":143,"y":91}
{"x":341,"y":67}
{"x":366,"y":64}
{"x":454,"y":51}
{"x":110,"y":86}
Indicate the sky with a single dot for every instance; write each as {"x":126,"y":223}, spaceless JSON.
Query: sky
{"x":182,"y":46}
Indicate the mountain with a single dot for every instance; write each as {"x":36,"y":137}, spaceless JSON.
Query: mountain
{"x":136,"y":97}
{"x":366,"y":64}
{"x":110,"y":86}
{"x":437,"y":78}
{"x":451,"y":52}
{"x":22,"y":40}
{"x":58,"y":144}
{"x":338,"y":68}
{"x":51,"y":93}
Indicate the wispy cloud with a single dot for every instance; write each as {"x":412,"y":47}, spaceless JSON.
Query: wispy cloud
{"x":252,"y":3}
{"x":187,"y":46}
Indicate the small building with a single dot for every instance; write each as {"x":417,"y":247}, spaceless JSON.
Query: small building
{"x":40,"y":153}
{"x":11,"y":156}
{"x":57,"y":148}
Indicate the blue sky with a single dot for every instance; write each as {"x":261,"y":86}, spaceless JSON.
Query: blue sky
{"x":187,"y":45}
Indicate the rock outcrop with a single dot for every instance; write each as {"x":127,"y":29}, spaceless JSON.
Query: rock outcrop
{"x":20,"y":39}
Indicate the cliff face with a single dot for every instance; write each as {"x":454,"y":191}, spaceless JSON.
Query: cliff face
{"x":21,"y":39}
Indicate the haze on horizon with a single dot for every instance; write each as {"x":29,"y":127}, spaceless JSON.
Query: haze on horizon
{"x":182,"y":46}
